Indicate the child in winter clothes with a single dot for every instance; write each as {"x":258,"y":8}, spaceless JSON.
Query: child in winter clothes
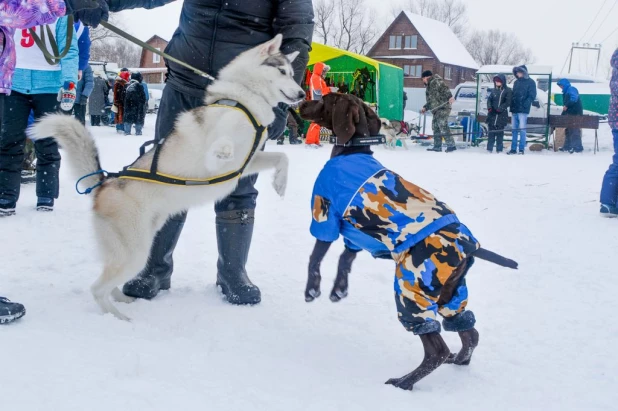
{"x":572,"y":107}
{"x":19,"y":15}
{"x":498,"y":105}
{"x":134,"y":101}
{"x":119,"y":95}
{"x":36,"y":85}
{"x":609,"y":191}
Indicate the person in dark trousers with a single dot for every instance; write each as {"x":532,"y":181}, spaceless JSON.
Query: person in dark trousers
{"x":524,"y":93}
{"x":609,"y":189}
{"x":439,"y":103}
{"x":294,"y":122}
{"x":572,"y":106}
{"x":211,"y":33}
{"x":134,"y":102}
{"x":35,"y":89}
{"x":498,"y":105}
{"x":14,"y":16}
{"x":83,"y":91}
{"x":98,"y":98}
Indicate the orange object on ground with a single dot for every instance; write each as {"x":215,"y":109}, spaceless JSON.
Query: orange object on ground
{"x":313,"y":134}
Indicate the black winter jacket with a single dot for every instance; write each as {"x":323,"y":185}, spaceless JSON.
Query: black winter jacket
{"x":212,"y":32}
{"x":134,"y":102}
{"x":498,"y":104}
{"x":524,"y":92}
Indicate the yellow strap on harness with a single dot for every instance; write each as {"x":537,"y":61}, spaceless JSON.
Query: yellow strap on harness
{"x":155,"y":176}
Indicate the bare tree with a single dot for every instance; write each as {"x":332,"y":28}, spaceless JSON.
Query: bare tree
{"x":498,"y":47}
{"x":324,"y":17}
{"x":118,"y":51}
{"x":452,"y":12}
{"x":100,"y":33}
{"x":345,"y":24}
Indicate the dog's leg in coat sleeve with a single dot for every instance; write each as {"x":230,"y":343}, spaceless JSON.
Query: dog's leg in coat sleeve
{"x":264,"y":161}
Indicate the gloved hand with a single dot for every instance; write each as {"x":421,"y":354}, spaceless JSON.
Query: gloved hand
{"x":90,"y":16}
{"x":67,"y":95}
{"x":276,"y":129}
{"x":74,"y":6}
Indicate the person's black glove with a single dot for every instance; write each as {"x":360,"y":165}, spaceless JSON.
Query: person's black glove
{"x":276,"y":129}
{"x":90,"y":16}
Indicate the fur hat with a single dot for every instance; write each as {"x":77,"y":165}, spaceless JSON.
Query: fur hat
{"x":345,"y":115}
{"x":426,"y":73}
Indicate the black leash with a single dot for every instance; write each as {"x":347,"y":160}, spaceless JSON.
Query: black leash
{"x":53,"y":59}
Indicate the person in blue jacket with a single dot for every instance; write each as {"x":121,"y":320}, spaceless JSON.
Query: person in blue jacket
{"x":572,"y":106}
{"x":524,"y":93}
{"x":36,"y":86}
{"x":85,"y":74}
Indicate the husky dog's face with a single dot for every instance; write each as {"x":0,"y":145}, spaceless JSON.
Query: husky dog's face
{"x":267,"y":71}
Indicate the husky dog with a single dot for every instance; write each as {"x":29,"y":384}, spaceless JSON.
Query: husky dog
{"x":393,"y":132}
{"x":208,"y":141}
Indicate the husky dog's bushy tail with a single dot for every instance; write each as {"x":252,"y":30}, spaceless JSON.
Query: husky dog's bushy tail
{"x":73,"y":137}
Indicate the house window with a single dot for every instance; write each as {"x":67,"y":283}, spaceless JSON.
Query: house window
{"x":412,"y":71}
{"x":395,"y":42}
{"x":411,"y":42}
{"x":156,"y":59}
{"x":448,"y":73}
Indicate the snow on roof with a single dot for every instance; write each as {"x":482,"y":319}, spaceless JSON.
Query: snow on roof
{"x":404,"y":57}
{"x":442,"y":41}
{"x":145,"y":70}
{"x":502,"y":69}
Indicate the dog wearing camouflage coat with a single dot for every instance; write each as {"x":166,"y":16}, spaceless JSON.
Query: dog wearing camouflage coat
{"x":375,"y":209}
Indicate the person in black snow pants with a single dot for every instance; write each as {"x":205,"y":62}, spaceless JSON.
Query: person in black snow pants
{"x":134,"y":101}
{"x":498,"y":105}
{"x":211,"y":33}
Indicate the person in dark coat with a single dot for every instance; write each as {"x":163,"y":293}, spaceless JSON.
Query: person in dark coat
{"x":572,"y":107}
{"x":120,"y":89}
{"x":498,"y":105}
{"x":134,"y":102}
{"x":98,"y":98}
{"x":83,"y":91}
{"x":211,"y":33}
{"x":524,"y":93}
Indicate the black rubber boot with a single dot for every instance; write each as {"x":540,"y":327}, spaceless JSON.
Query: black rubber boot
{"x":158,"y":272}
{"x":436,"y":353}
{"x":234,"y":231}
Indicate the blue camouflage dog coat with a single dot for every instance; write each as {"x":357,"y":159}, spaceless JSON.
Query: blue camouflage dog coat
{"x":375,"y":209}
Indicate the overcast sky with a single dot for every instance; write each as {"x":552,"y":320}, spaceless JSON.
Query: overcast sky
{"x":548,"y":27}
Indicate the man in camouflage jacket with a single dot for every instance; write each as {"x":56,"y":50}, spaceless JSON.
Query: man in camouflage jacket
{"x":439,"y":101}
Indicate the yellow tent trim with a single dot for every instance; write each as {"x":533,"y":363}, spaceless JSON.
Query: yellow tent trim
{"x":320,"y":52}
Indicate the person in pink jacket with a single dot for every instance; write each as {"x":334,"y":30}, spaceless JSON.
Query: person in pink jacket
{"x":18,"y":14}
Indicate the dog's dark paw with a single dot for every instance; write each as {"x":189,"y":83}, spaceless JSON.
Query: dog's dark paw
{"x":312,"y":294}
{"x":402,"y":383}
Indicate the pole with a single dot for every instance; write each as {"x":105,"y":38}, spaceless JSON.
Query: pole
{"x":571,"y":59}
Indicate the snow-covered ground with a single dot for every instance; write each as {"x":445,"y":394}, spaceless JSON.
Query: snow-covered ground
{"x":548,"y":331}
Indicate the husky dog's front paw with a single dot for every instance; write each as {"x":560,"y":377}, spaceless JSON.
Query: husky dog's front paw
{"x":280,"y":181}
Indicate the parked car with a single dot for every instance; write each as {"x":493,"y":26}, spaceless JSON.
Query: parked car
{"x":465,"y":100}
{"x":155,"y":91}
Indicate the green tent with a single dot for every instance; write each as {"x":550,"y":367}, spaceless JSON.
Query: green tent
{"x":387,"y":93}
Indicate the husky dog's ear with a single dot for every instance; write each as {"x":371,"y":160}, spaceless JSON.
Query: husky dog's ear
{"x":292,"y":56}
{"x":270,"y":48}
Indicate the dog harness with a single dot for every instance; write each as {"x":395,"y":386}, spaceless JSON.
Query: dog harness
{"x":154,"y":176}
